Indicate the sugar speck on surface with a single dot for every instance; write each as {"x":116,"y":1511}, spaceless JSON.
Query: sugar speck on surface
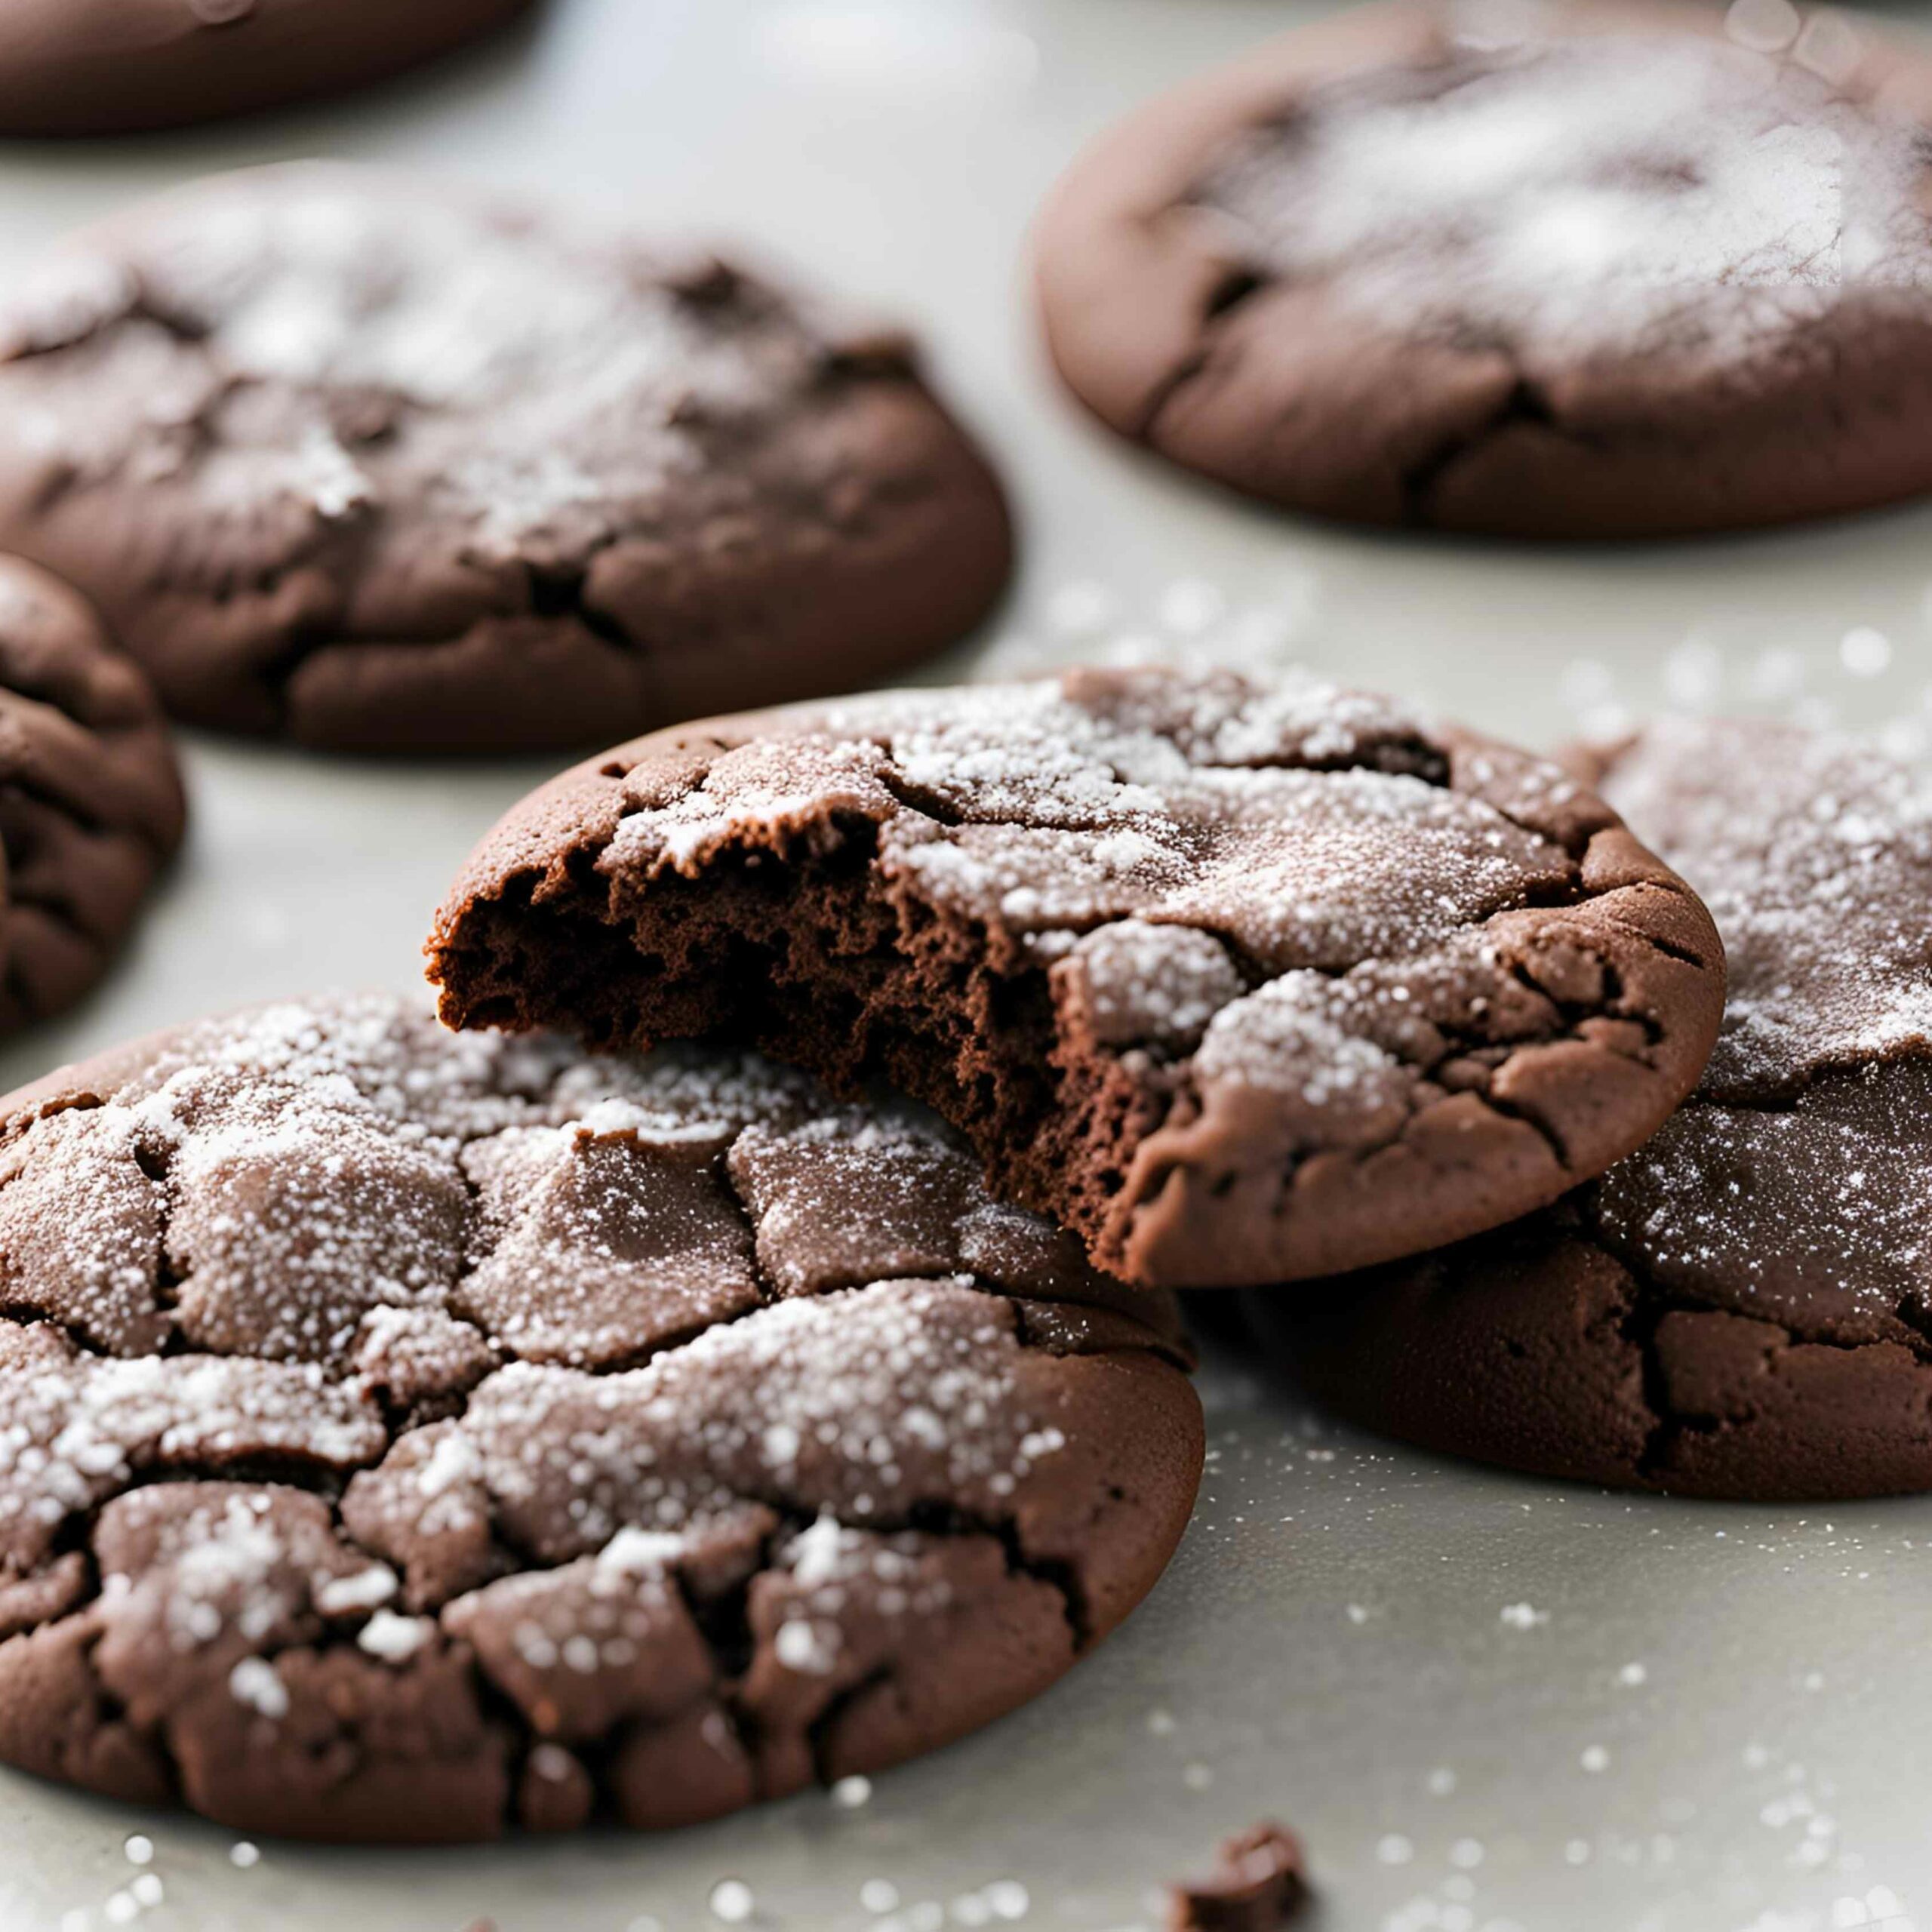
{"x":1865,"y":652}
{"x":731,"y":1902}
{"x":243,"y":1855}
{"x":1008,"y":1898}
{"x":1465,"y":1854}
{"x":1079,"y":609}
{"x":140,"y":1849}
{"x":1191,"y":605}
{"x":394,"y":1639}
{"x":1524,"y":1616}
{"x":1593,"y":1757}
{"x":1392,"y":1848}
{"x":255,"y":1682}
{"x":879,"y":1895}
{"x":850,"y":1793}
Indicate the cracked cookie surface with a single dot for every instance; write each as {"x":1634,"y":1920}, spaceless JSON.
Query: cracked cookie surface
{"x":1744,"y":1307}
{"x":91,"y":801}
{"x":114,"y":67}
{"x":407,"y":1436}
{"x":1593,"y":270}
{"x":386,"y":467}
{"x":1242,"y":981}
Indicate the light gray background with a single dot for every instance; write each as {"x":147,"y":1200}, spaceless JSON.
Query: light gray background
{"x":1693,"y":1719}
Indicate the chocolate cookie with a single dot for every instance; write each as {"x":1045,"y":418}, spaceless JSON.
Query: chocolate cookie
{"x":381,"y":467}
{"x":1744,"y":1307}
{"x":114,"y":66}
{"x":402,"y":1436}
{"x":1579,"y":270}
{"x":1241,"y":981}
{"x":91,"y":805}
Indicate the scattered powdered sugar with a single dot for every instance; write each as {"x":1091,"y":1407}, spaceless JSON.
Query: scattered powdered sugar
{"x":1159,"y":983}
{"x":255,"y":1682}
{"x":1584,"y":190}
{"x":1813,"y":853}
{"x":841,"y":1400}
{"x":394,"y":1639}
{"x":76,"y":1428}
{"x":1796,"y":1217}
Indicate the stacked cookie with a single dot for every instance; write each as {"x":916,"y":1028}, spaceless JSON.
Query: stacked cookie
{"x":407,"y":1432}
{"x":1741,"y":1309}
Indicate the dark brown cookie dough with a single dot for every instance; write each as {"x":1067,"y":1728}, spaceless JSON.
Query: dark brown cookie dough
{"x":115,"y":67}
{"x":1576,"y":270}
{"x":403,"y":1436}
{"x":1744,"y":1307}
{"x":1241,"y":981}
{"x":383,"y":467}
{"x":90,"y":803}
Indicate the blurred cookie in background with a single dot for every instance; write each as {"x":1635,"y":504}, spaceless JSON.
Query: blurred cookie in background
{"x":122,"y":66}
{"x":385,"y":466}
{"x":1743,"y":1307}
{"x":90,"y":800}
{"x":1591,"y":270}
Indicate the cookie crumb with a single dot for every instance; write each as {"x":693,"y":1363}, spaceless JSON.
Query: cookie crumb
{"x":1260,"y":1881}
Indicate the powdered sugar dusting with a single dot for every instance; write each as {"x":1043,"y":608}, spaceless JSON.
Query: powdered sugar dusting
{"x":1597,"y":190}
{"x":1813,"y":853}
{"x":411,"y":1275}
{"x":1284,"y":823}
{"x":316,"y":348}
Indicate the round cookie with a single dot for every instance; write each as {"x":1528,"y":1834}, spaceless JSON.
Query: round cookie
{"x":91,"y":803}
{"x":403,"y":1436}
{"x":383,"y":467}
{"x":1594,"y":270}
{"x":116,"y":66}
{"x":1743,"y":1308}
{"x":1241,"y":981}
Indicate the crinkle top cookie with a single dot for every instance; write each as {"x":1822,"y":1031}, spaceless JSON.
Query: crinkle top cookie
{"x":1599,"y":269}
{"x":385,"y":466}
{"x":1741,"y":1307}
{"x":1244,"y":981}
{"x":401,"y":1434}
